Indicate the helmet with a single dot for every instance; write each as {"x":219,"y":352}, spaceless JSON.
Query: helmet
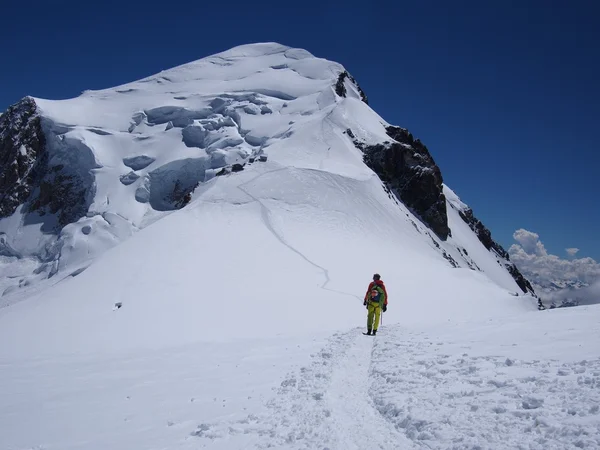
{"x":376,"y":277}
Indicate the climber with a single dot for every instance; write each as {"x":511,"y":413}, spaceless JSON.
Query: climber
{"x":376,"y":299}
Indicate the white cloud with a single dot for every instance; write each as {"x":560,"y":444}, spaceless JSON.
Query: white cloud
{"x":550,"y":271}
{"x":572,"y":251}
{"x":530,"y":242}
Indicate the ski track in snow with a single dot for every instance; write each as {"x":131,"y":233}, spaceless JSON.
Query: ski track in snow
{"x":325,"y":405}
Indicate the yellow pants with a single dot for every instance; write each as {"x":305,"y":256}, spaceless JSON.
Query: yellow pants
{"x":374,"y":312}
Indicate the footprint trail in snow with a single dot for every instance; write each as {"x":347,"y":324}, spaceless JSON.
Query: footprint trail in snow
{"x":358,"y":425}
{"x":325,"y":405}
{"x":406,"y":390}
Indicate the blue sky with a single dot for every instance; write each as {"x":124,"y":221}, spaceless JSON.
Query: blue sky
{"x":504,"y":94}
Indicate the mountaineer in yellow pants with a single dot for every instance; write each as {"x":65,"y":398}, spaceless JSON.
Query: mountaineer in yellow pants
{"x":375,"y":300}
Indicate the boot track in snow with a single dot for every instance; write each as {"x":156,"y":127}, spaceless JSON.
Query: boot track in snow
{"x":325,"y":405}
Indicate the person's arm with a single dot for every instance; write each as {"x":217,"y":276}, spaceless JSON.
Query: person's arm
{"x":385,"y":298}
{"x":368,"y":292}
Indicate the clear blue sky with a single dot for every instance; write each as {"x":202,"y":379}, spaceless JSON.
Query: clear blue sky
{"x":505,"y":94}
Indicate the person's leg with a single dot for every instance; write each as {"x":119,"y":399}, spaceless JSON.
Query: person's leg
{"x":370,"y":316}
{"x":377,"y":312}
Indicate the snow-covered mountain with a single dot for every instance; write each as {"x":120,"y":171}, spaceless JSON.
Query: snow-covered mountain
{"x":183,"y":261}
{"x":80,"y":176}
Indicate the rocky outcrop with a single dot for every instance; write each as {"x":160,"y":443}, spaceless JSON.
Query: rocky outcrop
{"x":23,"y":154}
{"x":407,"y":167}
{"x":340,"y":87}
{"x":42,"y":169}
{"x":63,"y":193}
{"x":485,"y":237}
{"x":521,"y":281}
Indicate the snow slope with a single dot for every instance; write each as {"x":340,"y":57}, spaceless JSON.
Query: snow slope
{"x":232,"y":322}
{"x":471,"y":251}
{"x":136,"y":149}
{"x":269,"y":250}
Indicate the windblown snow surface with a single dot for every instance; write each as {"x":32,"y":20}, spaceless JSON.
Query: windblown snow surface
{"x":236,"y":321}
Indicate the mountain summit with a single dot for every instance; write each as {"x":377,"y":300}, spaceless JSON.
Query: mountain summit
{"x":256,"y":175}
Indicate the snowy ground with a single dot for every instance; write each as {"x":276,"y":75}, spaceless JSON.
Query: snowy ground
{"x":526,"y":381}
{"x":494,"y":385}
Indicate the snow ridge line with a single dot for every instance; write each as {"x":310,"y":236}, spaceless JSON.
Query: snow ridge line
{"x":266,"y":218}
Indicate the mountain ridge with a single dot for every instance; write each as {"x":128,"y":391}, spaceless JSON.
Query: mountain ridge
{"x":257,"y":87}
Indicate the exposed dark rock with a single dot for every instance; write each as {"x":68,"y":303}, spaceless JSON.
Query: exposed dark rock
{"x":407,"y":167}
{"x":23,"y":155}
{"x":472,"y":265}
{"x":237,"y":168}
{"x":450,"y":259}
{"x":67,"y":184}
{"x":181,"y":195}
{"x":340,"y":87}
{"x":446,"y":256}
{"x":64,"y":194}
{"x":521,"y":281}
{"x":485,"y":237}
{"x":63,"y":187}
